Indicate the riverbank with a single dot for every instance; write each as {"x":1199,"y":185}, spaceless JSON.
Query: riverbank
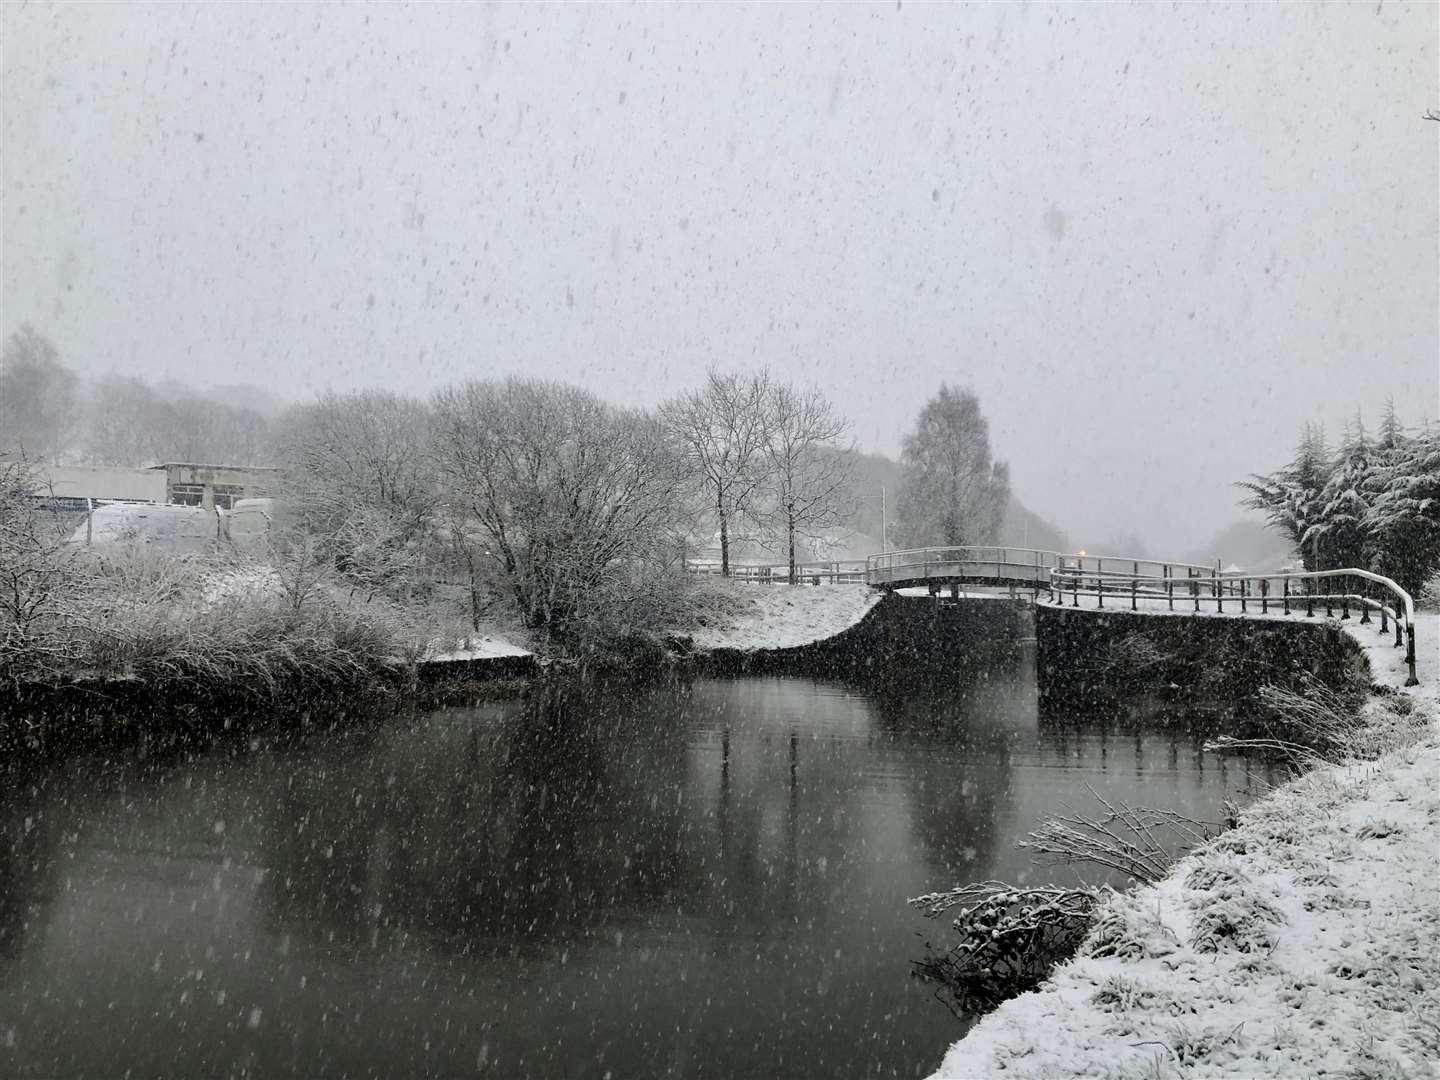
{"x":1299,"y":943}
{"x":148,"y":637}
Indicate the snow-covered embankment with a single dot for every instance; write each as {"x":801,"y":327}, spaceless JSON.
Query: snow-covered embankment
{"x":1300,"y":943}
{"x":783,"y":616}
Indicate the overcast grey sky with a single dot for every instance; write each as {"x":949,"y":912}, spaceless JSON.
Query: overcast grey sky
{"x":1154,"y":239}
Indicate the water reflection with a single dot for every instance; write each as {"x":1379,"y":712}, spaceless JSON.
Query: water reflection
{"x":702,"y":877}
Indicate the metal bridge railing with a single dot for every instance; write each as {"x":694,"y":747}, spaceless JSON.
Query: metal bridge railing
{"x":915,"y":563}
{"x":1120,"y":579}
{"x":1263,"y":594}
{"x":1011,"y":563}
{"x":842,"y":570}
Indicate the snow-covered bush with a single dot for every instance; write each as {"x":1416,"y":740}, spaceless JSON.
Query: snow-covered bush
{"x":1429,"y":598}
{"x":581,"y":507}
{"x":38,"y":597}
{"x":1373,"y":502}
{"x":1010,"y":937}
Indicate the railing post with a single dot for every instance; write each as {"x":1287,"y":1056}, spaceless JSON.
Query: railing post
{"x":1410,"y":655}
{"x":1170,"y":588}
{"x":1215,"y":587}
{"x":1099,"y":586}
{"x":1264,"y":596}
{"x":1364,"y":605}
{"x":1384,"y":615}
{"x":1075,"y":590}
{"x":1135,"y":589}
{"x":1309,"y":598}
{"x":1243,"y":608}
{"x":1287,"y":596}
{"x":1399,"y":630}
{"x":1344,"y":598}
{"x":1329,"y":604}
{"x":1194,"y":590}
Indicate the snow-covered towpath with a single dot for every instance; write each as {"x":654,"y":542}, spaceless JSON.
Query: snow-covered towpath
{"x":783,"y":616}
{"x":1301,"y":943}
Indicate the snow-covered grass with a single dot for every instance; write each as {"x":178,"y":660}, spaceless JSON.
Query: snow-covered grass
{"x":246,"y":583}
{"x":422,"y":631}
{"x":784,"y":616}
{"x":1300,"y":943}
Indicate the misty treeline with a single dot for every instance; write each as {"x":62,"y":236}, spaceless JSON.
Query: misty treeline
{"x":1371,"y":502}
{"x":49,"y":413}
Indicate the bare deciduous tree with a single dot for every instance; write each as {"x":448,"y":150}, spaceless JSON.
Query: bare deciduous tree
{"x":38,"y":396}
{"x":724,"y":430}
{"x":36,"y":587}
{"x":362,"y":478}
{"x":580,"y":503}
{"x":809,"y":471}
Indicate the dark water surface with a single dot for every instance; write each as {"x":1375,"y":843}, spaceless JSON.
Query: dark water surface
{"x":701,"y":879}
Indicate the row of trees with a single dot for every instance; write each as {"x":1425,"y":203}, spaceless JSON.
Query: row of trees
{"x":581,"y":510}
{"x":768,"y":456}
{"x":584,"y":512}
{"x":1371,"y":502}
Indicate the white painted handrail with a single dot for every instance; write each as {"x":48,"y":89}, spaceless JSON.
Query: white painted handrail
{"x":1267,"y":590}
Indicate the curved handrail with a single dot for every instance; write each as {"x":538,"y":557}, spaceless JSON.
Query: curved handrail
{"x":1252,"y":588}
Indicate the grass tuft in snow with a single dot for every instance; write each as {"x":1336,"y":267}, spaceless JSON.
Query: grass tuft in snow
{"x":1130,"y":928}
{"x":1234,"y":919}
{"x":1317,"y":725}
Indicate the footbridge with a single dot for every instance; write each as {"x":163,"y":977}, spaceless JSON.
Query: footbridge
{"x":1114,"y":582}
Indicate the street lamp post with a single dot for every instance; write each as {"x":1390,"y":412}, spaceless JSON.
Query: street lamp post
{"x":884,"y":530}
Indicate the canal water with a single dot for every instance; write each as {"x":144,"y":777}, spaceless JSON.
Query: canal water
{"x":700,"y":879}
